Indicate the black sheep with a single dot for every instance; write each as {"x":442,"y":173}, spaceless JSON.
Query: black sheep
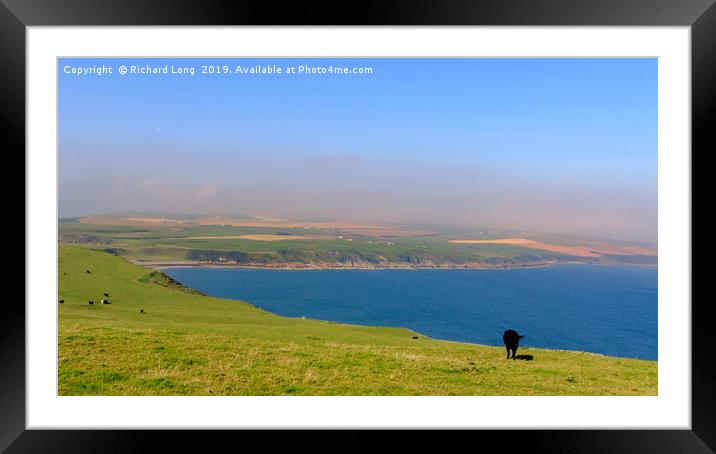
{"x":512,"y":341}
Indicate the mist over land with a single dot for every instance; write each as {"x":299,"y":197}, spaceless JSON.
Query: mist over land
{"x":564,"y":146}
{"x":355,"y":189}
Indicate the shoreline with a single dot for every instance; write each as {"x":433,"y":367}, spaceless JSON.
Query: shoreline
{"x":525,"y":347}
{"x":159,"y":265}
{"x":296,"y":267}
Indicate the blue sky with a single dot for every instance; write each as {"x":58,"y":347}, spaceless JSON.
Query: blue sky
{"x":558,"y":145}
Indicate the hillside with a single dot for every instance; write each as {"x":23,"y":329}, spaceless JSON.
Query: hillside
{"x":185,"y":343}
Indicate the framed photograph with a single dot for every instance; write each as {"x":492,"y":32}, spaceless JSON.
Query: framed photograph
{"x":438,"y":217}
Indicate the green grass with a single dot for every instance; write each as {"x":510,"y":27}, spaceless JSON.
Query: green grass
{"x":189,"y":344}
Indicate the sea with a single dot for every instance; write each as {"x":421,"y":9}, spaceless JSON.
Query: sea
{"x":606,"y":309}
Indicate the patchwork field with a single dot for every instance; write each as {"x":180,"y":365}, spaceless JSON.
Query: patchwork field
{"x":258,"y":222}
{"x":596,"y":250}
{"x":264,"y":237}
{"x":159,"y":338}
{"x":268,"y":242}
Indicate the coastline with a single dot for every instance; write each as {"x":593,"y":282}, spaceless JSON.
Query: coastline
{"x":158,"y":265}
{"x":155,"y":266}
{"x":161,"y":265}
{"x":175,"y":264}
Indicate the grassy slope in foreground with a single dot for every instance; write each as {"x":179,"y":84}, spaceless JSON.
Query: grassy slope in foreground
{"x":189,"y":344}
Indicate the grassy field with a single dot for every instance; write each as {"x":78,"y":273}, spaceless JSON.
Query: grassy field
{"x":186,"y":343}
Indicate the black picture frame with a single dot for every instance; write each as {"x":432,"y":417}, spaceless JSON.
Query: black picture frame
{"x":16,"y":15}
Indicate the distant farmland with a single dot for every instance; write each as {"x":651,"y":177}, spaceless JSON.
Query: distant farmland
{"x":266,"y":242}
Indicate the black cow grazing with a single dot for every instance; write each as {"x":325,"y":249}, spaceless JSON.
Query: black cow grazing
{"x":512,"y":341}
{"x":106,"y":295}
{"x":88,"y":272}
{"x":62,"y":301}
{"x":141,"y":311}
{"x":90,"y":302}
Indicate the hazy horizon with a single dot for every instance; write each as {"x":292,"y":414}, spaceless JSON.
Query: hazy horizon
{"x":565,"y":146}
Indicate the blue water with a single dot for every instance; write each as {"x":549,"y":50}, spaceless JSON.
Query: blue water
{"x":603,"y":309}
